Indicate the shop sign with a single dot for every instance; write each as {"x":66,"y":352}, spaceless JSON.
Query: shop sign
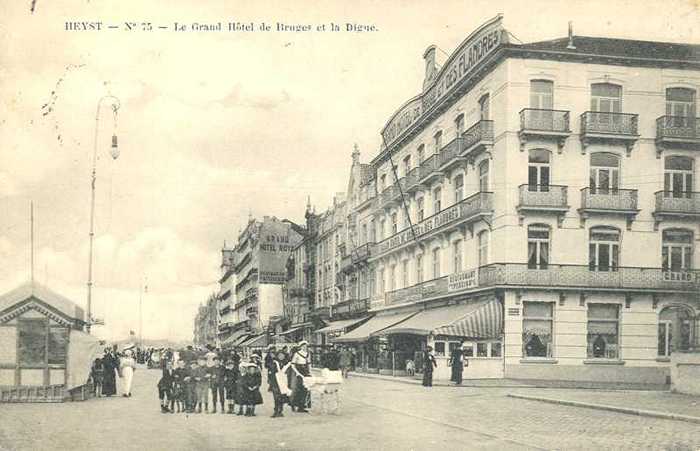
{"x":681,"y":276}
{"x":464,"y":280}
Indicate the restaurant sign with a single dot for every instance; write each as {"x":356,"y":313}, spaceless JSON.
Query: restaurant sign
{"x":464,"y":280}
{"x":681,"y":276}
{"x":459,"y":66}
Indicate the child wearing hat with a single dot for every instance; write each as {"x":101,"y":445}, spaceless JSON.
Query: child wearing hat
{"x":230,"y":376}
{"x":216,"y":382}
{"x":201,"y":377}
{"x":251,"y":389}
{"x":178,"y":393}
{"x":239,"y":397}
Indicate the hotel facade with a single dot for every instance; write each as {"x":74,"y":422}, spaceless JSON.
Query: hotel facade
{"x":537,"y":202}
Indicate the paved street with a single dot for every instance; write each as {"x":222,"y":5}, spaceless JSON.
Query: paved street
{"x":375,"y":415}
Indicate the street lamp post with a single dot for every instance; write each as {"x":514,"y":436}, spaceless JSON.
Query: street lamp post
{"x":114,"y":152}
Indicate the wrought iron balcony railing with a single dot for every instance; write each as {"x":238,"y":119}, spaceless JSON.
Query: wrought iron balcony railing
{"x":555,"y":121}
{"x":677,"y":203}
{"x":429,"y":168}
{"x":478,"y":134}
{"x":423,"y":290}
{"x":468,"y":209}
{"x":543,"y":196}
{"x":413,"y":179}
{"x":609,"y":199}
{"x":606,"y":123}
{"x":450,"y":152}
{"x":678,"y":128}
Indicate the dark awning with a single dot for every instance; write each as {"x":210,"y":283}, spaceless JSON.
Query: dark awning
{"x":379,"y":322}
{"x":339,"y":326}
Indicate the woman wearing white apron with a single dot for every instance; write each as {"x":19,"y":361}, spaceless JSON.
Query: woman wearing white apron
{"x":128,"y":366}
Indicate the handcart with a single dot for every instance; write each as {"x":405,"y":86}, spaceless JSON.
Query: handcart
{"x":323,"y":392}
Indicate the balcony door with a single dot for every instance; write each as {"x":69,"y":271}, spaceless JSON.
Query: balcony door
{"x":675,"y":330}
{"x":542,"y":102}
{"x":485,"y":107}
{"x":538,"y":170}
{"x":605,"y":173}
{"x":680,"y":107}
{"x":678,"y":177}
{"x":677,"y":250}
{"x":604,"y":249}
{"x":606,"y":98}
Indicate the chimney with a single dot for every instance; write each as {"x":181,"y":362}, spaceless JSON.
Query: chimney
{"x":571,"y":45}
{"x":430,"y":65}
{"x":355,"y":154}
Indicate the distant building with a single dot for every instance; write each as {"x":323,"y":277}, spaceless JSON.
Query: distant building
{"x":205,"y":323}
{"x":227,"y":296}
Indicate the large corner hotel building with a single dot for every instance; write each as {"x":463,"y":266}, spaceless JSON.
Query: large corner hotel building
{"x":541,"y":206}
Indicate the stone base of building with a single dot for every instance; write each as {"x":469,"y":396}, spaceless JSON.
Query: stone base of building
{"x":595,"y":375}
{"x":685,"y":372}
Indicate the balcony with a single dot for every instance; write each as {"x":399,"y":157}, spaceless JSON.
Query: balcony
{"x":479,"y":137}
{"x":676,"y":205}
{"x":357,"y":256}
{"x":450,"y":155}
{"x":429,"y":170}
{"x":580,"y":276}
{"x":349,"y":308}
{"x":677,"y":131}
{"x":388,"y":196}
{"x":466,"y":212}
{"x":550,"y":199}
{"x":425,"y":290}
{"x":413,"y":180}
{"x":544,"y":125}
{"x":609,"y":202}
{"x":612,"y":128}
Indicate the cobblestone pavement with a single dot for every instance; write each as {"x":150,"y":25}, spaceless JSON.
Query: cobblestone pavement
{"x":375,"y":414}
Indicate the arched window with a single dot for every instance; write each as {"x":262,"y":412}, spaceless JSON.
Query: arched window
{"x":538,"y":246}
{"x":678,"y":177}
{"x":483,"y":248}
{"x":677,"y":250}
{"x":484,"y":176}
{"x":676,"y":330}
{"x":437,"y":141}
{"x":680,"y":105}
{"x":604,"y":249}
{"x":421,"y":154}
{"x":485,"y":107}
{"x":406,"y":165}
{"x":457,"y":256}
{"x":459,"y":187}
{"x":459,"y":125}
{"x":605,"y":173}
{"x":538,"y":172}
{"x":437,"y":200}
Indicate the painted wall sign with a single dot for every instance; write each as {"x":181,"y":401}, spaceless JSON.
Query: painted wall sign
{"x":463,"y":280}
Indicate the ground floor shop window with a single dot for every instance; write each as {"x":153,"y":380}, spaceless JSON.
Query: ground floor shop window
{"x":603,"y":331}
{"x":537,"y":329}
{"x":445,"y":346}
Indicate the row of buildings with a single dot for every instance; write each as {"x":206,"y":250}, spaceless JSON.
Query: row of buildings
{"x":536,"y":201}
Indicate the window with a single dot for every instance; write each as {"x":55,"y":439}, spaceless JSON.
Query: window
{"x":680,"y":107}
{"x":437,"y":141}
{"x":372,"y":282}
{"x":538,"y":170}
{"x":537,"y":329}
{"x":32,"y":342}
{"x":382,"y":182}
{"x":363,"y":238}
{"x":496,"y":349}
{"x":537,"y":246}
{"x":440,"y":348}
{"x":421,"y":154}
{"x":541,"y":94}
{"x":437,"y":194}
{"x":482,"y":349}
{"x":363,"y":285}
{"x":382,"y":228}
{"x":404,"y":273}
{"x":677,"y":250}
{"x":484,"y":107}
{"x":372,"y":231}
{"x":457,"y":256}
{"x":483,"y":247}
{"x":484,"y":176}
{"x":606,"y":97}
{"x":459,"y":125}
{"x":419,"y":268}
{"x":394,"y":223}
{"x":436,"y":263}
{"x":459,"y":188}
{"x":406,"y":165}
{"x":603,"y":326}
{"x":678,"y":177}
{"x":675,"y":330}
{"x":605,"y":173}
{"x":421,"y":209}
{"x":604,"y":249}
{"x":382,"y":284}
{"x":57,"y":345}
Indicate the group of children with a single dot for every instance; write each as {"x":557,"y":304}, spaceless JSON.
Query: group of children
{"x":185,"y":386}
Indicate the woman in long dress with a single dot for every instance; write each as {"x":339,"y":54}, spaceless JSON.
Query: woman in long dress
{"x":128,"y":366}
{"x":300,"y":366}
{"x":429,"y":364}
{"x":109,"y":381}
{"x":457,"y":364}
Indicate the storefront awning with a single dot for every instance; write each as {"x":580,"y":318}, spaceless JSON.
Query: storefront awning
{"x":376,"y":324}
{"x":234,"y":339}
{"x":426,"y":321}
{"x":485,"y":321}
{"x":339,"y":326}
{"x":291,"y":331}
{"x":257,"y":341}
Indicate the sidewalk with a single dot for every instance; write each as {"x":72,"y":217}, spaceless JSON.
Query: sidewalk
{"x":655,"y":404}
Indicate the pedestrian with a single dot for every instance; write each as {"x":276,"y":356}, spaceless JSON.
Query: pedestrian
{"x":457,"y":363}
{"x":300,"y":365}
{"x":165,"y":386}
{"x":333,"y":359}
{"x":429,"y":364}
{"x":240,"y":388}
{"x":278,"y":383}
{"x":127,"y":366}
{"x":216,"y":384}
{"x":251,"y":386}
{"x":345,"y":361}
{"x":97,"y":375}
{"x":110,"y":364}
{"x":190,"y":387}
{"x":209,"y":356}
{"x":269,"y":364}
{"x":201,"y":377}
{"x":178,"y":392}
{"x":231,"y":376}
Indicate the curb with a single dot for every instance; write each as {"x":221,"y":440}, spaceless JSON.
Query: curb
{"x":465,"y":383}
{"x":625,"y":410}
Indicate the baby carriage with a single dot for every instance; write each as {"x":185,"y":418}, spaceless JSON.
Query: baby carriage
{"x":323,"y":392}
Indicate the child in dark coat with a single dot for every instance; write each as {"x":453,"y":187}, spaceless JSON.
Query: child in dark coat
{"x":251,"y":389}
{"x":231,"y":376}
{"x":97,"y":374}
{"x":178,"y":391}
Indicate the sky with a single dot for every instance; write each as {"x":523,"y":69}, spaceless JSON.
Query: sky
{"x":214,"y":126}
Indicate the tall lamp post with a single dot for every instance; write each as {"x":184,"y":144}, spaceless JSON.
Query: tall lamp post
{"x":114,"y":152}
